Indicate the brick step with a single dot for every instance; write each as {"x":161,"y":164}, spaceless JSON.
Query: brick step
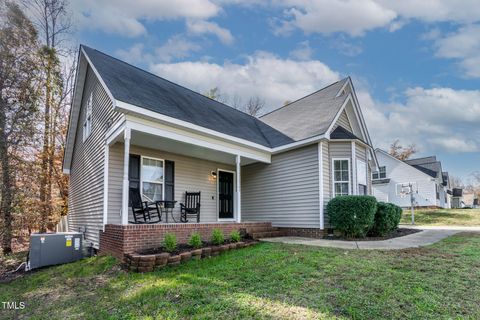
{"x":267,"y":234}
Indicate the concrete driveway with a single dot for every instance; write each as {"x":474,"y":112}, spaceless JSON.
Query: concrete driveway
{"x":419,"y":239}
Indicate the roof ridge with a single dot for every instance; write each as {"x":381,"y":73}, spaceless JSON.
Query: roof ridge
{"x":299,"y":99}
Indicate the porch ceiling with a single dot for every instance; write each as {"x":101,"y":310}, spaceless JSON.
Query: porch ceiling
{"x":151,"y":141}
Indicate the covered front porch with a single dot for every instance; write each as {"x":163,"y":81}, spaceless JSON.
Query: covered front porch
{"x":163,"y":163}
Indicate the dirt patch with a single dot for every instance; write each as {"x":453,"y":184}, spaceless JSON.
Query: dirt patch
{"x":400,"y":232}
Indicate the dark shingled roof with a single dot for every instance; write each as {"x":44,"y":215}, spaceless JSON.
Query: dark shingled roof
{"x":428,"y":165}
{"x":143,"y":89}
{"x":445,"y":178}
{"x":457,"y":192}
{"x":342,"y":133}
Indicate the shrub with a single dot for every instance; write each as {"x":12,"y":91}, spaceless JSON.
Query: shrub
{"x":195,"y":240}
{"x":235,"y":236}
{"x":353,"y":216}
{"x":170,"y":242}
{"x":217,"y":237}
{"x":386,"y":219}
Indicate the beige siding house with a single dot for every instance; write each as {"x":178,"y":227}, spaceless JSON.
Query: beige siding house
{"x":131,"y":131}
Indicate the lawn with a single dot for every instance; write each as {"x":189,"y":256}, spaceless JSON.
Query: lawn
{"x":443,"y":217}
{"x":268,"y":281}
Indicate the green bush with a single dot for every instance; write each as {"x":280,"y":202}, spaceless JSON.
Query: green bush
{"x":195,"y":240}
{"x":217,"y":237}
{"x":353,"y":216}
{"x":170,"y":242}
{"x":386,"y":219}
{"x":235,"y":236}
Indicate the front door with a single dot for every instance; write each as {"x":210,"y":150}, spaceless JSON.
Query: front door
{"x":225,"y":195}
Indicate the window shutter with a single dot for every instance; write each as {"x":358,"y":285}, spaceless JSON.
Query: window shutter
{"x":134,"y":171}
{"x":169,"y":180}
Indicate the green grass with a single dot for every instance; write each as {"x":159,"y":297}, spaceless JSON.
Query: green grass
{"x":443,"y":217}
{"x":268,"y":281}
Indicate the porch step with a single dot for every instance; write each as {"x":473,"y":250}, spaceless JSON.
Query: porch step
{"x":257,"y":229}
{"x":267,"y":234}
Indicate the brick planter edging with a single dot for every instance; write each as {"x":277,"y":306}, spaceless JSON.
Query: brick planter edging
{"x":302,"y":232}
{"x":148,"y":262}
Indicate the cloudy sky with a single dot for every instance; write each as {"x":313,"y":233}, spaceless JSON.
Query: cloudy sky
{"x":415,"y":64}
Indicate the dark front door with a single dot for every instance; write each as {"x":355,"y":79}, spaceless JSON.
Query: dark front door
{"x":225,"y":195}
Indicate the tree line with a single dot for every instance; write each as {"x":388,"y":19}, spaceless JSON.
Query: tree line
{"x":36,"y":85}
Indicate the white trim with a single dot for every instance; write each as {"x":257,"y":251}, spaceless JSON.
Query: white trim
{"x":342,"y":88}
{"x":333,"y":176}
{"x":298,"y":144}
{"x":66,"y":171}
{"x":97,"y":74}
{"x":402,"y":162}
{"x":339,"y":113}
{"x":320,"y":183}
{"x":126,"y":158}
{"x":115,"y":131}
{"x":134,"y":125}
{"x":127,"y":107}
{"x":105,"y":184}
{"x":354,"y":169}
{"x":234,"y":195}
{"x":149,"y":181}
{"x":238,"y":168}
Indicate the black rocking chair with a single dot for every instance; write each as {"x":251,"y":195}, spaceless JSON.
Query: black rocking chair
{"x":143,"y":211}
{"x":191,"y":207}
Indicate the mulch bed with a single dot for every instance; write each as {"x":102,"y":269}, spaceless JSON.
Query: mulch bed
{"x":400,"y":232}
{"x":9,"y":263}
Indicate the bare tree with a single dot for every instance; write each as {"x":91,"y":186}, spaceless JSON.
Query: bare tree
{"x":216,"y":94}
{"x":53,"y":23}
{"x":18,"y":101}
{"x":254,"y":106}
{"x":456,"y":182}
{"x":400,"y":152}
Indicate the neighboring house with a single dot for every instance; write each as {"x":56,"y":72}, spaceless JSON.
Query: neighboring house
{"x":457,"y":194}
{"x":131,"y":129}
{"x":424,"y":176}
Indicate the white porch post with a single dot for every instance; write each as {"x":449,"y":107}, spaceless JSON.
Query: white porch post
{"x":105,"y":184}
{"x":126,"y":160}
{"x":354,"y":169}
{"x":239,"y":197}
{"x":320,"y":184}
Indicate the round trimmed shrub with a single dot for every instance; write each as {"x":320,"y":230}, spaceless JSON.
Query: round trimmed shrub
{"x":386,"y":219}
{"x":353,"y":216}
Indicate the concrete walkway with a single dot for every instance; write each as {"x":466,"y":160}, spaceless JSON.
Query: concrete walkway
{"x":457,"y":228}
{"x":419,"y":239}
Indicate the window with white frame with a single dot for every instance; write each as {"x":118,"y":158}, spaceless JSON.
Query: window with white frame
{"x":341,"y":177}
{"x":152,"y":179}
{"x":87,"y":124}
{"x":380,"y":174}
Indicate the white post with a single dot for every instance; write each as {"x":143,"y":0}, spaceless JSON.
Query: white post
{"x":105,"y":185}
{"x":239,"y":197}
{"x":126,"y":159}
{"x":354,"y":169}
{"x":320,"y":182}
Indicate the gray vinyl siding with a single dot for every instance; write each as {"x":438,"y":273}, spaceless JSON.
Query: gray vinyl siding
{"x":285,"y":192}
{"x":361,"y":153}
{"x":85,"y":203}
{"x":191,"y":174}
{"x":327,"y":180}
{"x":343,"y":121}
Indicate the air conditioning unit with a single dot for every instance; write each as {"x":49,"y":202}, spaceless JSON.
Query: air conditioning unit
{"x":48,"y":249}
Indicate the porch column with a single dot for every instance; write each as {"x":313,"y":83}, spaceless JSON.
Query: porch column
{"x":354,"y":170}
{"x":126,"y":160}
{"x":239,"y":198}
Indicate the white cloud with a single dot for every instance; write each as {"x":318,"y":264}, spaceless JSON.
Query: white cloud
{"x":270,"y":77}
{"x":464,"y":46}
{"x":303,"y":51}
{"x":200,"y":27}
{"x":134,"y":54}
{"x":434,"y":119}
{"x":127,"y":17}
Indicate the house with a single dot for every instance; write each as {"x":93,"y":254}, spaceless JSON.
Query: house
{"x":457,"y":194}
{"x":131,"y":129}
{"x":395,"y":178}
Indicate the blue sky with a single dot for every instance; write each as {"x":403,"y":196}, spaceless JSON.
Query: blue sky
{"x":415,"y":65}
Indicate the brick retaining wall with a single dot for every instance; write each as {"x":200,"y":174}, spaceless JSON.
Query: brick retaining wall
{"x":120,"y":239}
{"x":303,"y":232}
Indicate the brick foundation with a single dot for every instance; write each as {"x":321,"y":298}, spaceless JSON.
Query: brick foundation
{"x":303,"y":232}
{"x":120,"y":239}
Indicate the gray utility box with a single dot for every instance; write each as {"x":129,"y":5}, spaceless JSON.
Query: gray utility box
{"x":48,"y":249}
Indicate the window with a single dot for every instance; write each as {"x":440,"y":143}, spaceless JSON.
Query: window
{"x":380,"y":174}
{"x":87,"y":124}
{"x":362,"y":177}
{"x":152,"y":179}
{"x":341,"y":177}
{"x":362,"y":190}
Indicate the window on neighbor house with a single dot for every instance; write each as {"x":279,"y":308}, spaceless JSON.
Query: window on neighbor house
{"x":341,"y":177}
{"x":152,"y":179}
{"x":380,"y":174}
{"x":87,"y":124}
{"x":362,"y":189}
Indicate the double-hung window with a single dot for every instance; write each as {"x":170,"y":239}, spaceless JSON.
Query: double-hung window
{"x":380,"y":174}
{"x":87,"y":124}
{"x":152,"y":179}
{"x":341,"y":177}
